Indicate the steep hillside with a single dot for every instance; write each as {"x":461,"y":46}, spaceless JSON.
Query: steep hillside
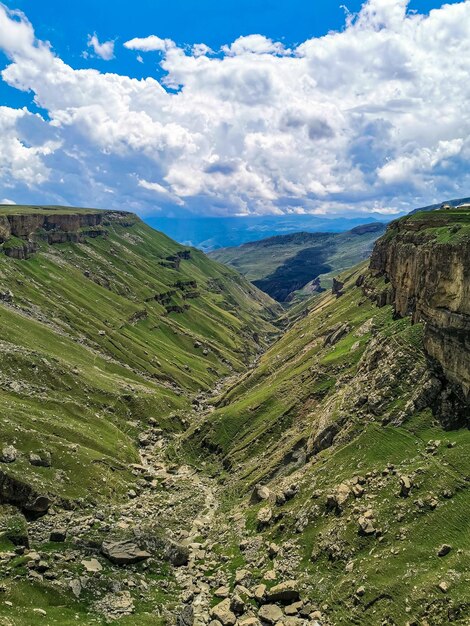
{"x":304,"y":261}
{"x":345,"y":422}
{"x":106,"y":324}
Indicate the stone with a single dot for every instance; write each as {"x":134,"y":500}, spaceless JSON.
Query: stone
{"x":443,"y":586}
{"x":241,"y":575}
{"x":40,"y":612}
{"x":293,"y":609}
{"x":223,"y":613}
{"x":186,"y":616}
{"x":405,"y":486}
{"x":366,"y":526}
{"x":284,"y":592}
{"x":259,"y":593}
{"x":58,"y":535}
{"x":270,"y":614}
{"x":6,"y":296}
{"x":237,"y":604}
{"x":444,"y":550}
{"x":222,"y":592}
{"x":273,"y":550}
{"x":264,"y":517}
{"x":92,"y":566}
{"x":41,"y":459}
{"x":9,"y":454}
{"x":337,"y":500}
{"x":76,"y":587}
{"x":260,"y":493}
{"x":116,"y":604}
{"x":123,"y":552}
{"x":360,"y":591}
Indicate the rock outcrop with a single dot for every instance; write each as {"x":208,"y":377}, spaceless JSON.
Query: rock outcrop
{"x":21,"y":232}
{"x":427,"y":276}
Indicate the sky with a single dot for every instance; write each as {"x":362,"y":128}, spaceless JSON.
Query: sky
{"x":236,"y":107}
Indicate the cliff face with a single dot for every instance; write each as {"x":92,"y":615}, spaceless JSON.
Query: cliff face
{"x":20,"y":231}
{"x":425,"y":259}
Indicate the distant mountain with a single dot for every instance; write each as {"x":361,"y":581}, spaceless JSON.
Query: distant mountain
{"x":432,"y":207}
{"x":284,"y":264}
{"x":211,"y":233}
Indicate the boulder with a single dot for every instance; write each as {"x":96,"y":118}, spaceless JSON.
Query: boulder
{"x":186,"y":616}
{"x":222,"y":592}
{"x":40,"y":459}
{"x":264,"y":516}
{"x":259,"y":593}
{"x":58,"y":535}
{"x":92,"y":566}
{"x":237,"y":604}
{"x":260,"y":493}
{"x":444,"y":550}
{"x":270,"y":614}
{"x":123,"y":552}
{"x":9,"y":454}
{"x":366,"y":527}
{"x":224,"y":613}
{"x":285,"y":592}
{"x":6,"y":296}
{"x":337,"y":500}
{"x":405,"y":486}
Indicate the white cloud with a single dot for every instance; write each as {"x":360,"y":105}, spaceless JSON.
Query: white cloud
{"x":103,"y":50}
{"x":372,"y":118}
{"x":255,"y":44}
{"x":200,"y":49}
{"x":149,"y":44}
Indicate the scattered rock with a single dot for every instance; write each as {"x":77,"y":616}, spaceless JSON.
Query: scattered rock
{"x":123,"y":552}
{"x":223,"y":613}
{"x":260,"y":493}
{"x":259,"y":593}
{"x":76,"y":587}
{"x":58,"y":535}
{"x":443,"y":586}
{"x":284,"y":592}
{"x":264,"y":517}
{"x":92,"y":566}
{"x":186,"y":616}
{"x":222,"y":592}
{"x":405,"y":486}
{"x":444,"y":550}
{"x":115,"y":605}
{"x":336,"y":501}
{"x":9,"y":454}
{"x":366,"y":527}
{"x":270,"y":614}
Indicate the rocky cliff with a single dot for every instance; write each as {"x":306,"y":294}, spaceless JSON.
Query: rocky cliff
{"x":21,"y":230}
{"x":425,"y":261}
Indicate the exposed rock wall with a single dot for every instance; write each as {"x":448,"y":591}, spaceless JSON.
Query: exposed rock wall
{"x":429,"y":279}
{"x":56,"y":227}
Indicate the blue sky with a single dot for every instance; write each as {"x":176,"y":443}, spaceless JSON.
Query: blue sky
{"x":363,"y":152}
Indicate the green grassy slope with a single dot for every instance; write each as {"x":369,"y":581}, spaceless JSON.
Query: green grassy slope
{"x":321,"y":410}
{"x":99,"y":337}
{"x":288,"y":263}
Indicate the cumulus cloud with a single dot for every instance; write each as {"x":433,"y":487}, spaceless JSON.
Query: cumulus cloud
{"x":149,"y":44}
{"x":372,"y":118}
{"x":103,"y":50}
